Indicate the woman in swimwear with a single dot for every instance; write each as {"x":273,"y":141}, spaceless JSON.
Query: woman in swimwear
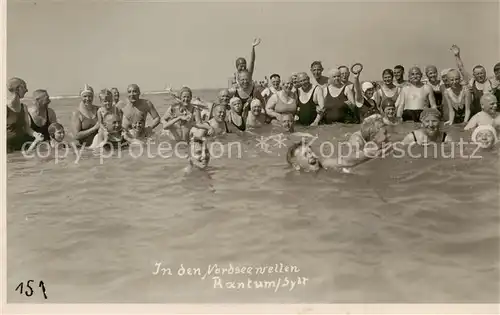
{"x":235,"y":116}
{"x":387,"y":89}
{"x":19,"y":130}
{"x":283,"y":101}
{"x":256,"y":116}
{"x":41,"y":116}
{"x":458,"y":99}
{"x":368,"y":106}
{"x":181,"y":117}
{"x":430,"y":131}
{"x":437,"y":86}
{"x":218,"y":121}
{"x":84,"y":120}
{"x":246,"y":91}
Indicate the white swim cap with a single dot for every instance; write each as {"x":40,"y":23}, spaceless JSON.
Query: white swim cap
{"x":366,"y":85}
{"x":481,"y":128}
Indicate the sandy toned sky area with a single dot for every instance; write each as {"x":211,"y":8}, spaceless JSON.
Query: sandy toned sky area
{"x":61,"y":45}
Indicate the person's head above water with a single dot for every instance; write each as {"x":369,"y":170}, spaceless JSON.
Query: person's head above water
{"x":415,"y":75}
{"x":256,"y":107}
{"x":17,"y":86}
{"x":275,"y":80}
{"x":295,"y":80}
{"x":245,"y":79}
{"x":112,"y":123}
{"x":219,"y":113}
{"x":185,"y":95}
{"x":56,"y":132}
{"x":485,"y":136}
{"x":430,"y":118}
{"x":116,"y":94}
{"x":454,"y":79}
{"x":496,"y":71}
{"x":303,"y":80}
{"x":288,"y":84}
{"x":106,"y":98}
{"x":316,"y":69}
{"x":388,"y":107}
{"x":199,"y":154}
{"x":388,"y":76}
{"x":236,"y":105}
{"x":489,"y":104}
{"x":133,"y":93}
{"x":479,"y":73}
{"x":87,"y":95}
{"x":224,"y":97}
{"x":344,"y":73}
{"x":41,"y":99}
{"x":241,"y":64}
{"x":431,"y":73}
{"x":301,"y":157}
{"x":373,"y":129}
{"x":287,"y":121}
{"x":334,"y":77}
{"x":368,"y":89}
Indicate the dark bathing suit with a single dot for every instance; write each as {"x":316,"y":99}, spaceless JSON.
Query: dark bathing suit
{"x":16,"y":134}
{"x":241,"y":127}
{"x":459,"y":115}
{"x":367,"y":109}
{"x":44,"y":130}
{"x":475,"y":106}
{"x":336,"y":110}
{"x":307,"y":111}
{"x":412,"y":114}
{"x":245,"y":100}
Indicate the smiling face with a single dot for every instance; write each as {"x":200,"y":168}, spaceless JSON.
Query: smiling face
{"x":369,"y":93}
{"x":133,"y":93}
{"x":388,"y":78}
{"x":112,"y":124}
{"x":287,"y":121}
{"x":317,"y":71}
{"x":431,"y":125}
{"x":200,"y":155}
{"x":87,"y":98}
{"x":138,"y":126}
{"x":219,"y":114}
{"x":306,"y":160}
{"x":485,"y":138}
{"x":106,"y":101}
{"x":432,"y":74}
{"x":244,"y":79}
{"x":390,"y":111}
{"x":237,"y":106}
{"x":275,"y":82}
{"x":256,"y":109}
{"x":335,"y":78}
{"x":415,"y":75}
{"x":398,"y":74}
{"x":489,"y":104}
{"x":241,"y":64}
{"x":186,"y":97}
{"x":224,"y":97}
{"x":116,"y":95}
{"x":479,"y":74}
{"x":59,"y":135}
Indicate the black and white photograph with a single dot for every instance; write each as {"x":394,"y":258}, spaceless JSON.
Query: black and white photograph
{"x":252,"y":153}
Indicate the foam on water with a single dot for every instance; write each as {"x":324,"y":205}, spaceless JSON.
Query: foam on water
{"x":396,"y":230}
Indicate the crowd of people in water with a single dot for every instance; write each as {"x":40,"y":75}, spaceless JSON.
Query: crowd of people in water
{"x":448,"y":97}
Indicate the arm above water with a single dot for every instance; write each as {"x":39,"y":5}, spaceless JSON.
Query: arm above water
{"x":468,"y":101}
{"x":77,"y":127}
{"x":319,"y":99}
{"x":154,"y":114}
{"x":251,"y":67}
{"x":472,"y":124}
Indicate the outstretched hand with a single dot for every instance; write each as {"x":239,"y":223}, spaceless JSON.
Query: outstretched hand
{"x":256,"y":42}
{"x":456,"y":51}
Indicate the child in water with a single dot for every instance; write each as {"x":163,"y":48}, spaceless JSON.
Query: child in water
{"x":199,"y":156}
{"x":112,"y":136}
{"x":256,"y":118}
{"x":107,"y":107}
{"x":56,"y":133}
{"x":138,"y":132}
{"x":485,"y":136}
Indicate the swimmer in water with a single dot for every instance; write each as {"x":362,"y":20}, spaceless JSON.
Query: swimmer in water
{"x":218,"y":121}
{"x":487,"y":115}
{"x":388,"y":108}
{"x":458,"y":99}
{"x":256,"y":116}
{"x":235,"y":116}
{"x":137,"y":106}
{"x":56,"y":137}
{"x":485,"y":136}
{"x":138,"y":132}
{"x":274,"y":88}
{"x":241,"y":65}
{"x":107,"y":108}
{"x":301,"y":157}
{"x":199,"y":156}
{"x":113,"y":136}
{"x":430,"y":131}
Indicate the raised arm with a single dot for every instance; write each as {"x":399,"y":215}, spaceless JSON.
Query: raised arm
{"x":456,"y":51}
{"x":251,"y":66}
{"x":357,"y":91}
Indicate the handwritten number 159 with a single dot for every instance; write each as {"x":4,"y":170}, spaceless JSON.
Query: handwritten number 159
{"x":29,"y":289}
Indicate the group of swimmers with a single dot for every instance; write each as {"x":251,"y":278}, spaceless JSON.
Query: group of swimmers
{"x":300,"y":99}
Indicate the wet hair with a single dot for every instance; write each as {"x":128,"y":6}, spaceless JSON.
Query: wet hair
{"x":14,"y":83}
{"x":103,"y":93}
{"x":275,"y":75}
{"x":53,"y":128}
{"x":316,"y":63}
{"x":185,"y":89}
{"x":388,"y":71}
{"x":291,"y":154}
{"x":478,"y":67}
{"x":399,"y":67}
{"x":371,"y":125}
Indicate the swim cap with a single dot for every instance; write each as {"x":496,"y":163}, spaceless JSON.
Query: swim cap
{"x":388,"y":102}
{"x":496,"y":67}
{"x":234,"y":100}
{"x":255,"y":102}
{"x":87,"y":90}
{"x":366,"y":85}
{"x":430,"y":112}
{"x":445,"y":72}
{"x":480,"y":128}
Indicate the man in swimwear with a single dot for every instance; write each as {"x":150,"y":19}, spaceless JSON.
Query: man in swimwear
{"x":137,"y":106}
{"x":339,"y":101}
{"x":274,"y":88}
{"x":430,"y":130}
{"x":301,"y":157}
{"x":222,"y":99}
{"x":241,"y":65}
{"x":399,"y":72}
{"x":18,"y":120}
{"x":487,"y":115}
{"x":414,"y":97}
{"x":311,"y":106}
{"x":318,"y":78}
{"x":41,"y":115}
